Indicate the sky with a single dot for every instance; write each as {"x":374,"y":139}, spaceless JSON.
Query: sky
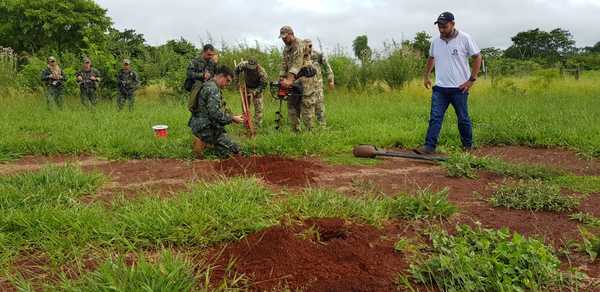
{"x":335,"y":23}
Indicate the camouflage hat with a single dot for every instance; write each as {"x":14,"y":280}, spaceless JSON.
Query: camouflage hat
{"x":126,"y":61}
{"x":87,"y":60}
{"x":252,"y":64}
{"x":50,"y":59}
{"x":285,"y":30}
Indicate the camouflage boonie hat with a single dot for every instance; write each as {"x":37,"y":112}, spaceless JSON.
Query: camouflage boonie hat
{"x":87,"y":60}
{"x":126,"y":61}
{"x":51,"y":59}
{"x":285,"y":30}
{"x":252,"y":64}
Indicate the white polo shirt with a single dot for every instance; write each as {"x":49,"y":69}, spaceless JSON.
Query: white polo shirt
{"x":452,"y":59}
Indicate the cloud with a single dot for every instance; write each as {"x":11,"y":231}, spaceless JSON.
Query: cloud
{"x":338,"y":22}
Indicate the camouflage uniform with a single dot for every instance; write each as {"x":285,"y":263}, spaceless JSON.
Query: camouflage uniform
{"x":128,"y":82}
{"x":310,"y":94}
{"x":321,"y":63}
{"x":87,"y":87}
{"x":256,"y":80}
{"x":209,"y":118}
{"x":293,"y":60}
{"x":55,"y":87}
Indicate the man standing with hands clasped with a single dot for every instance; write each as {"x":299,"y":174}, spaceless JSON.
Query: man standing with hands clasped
{"x":450,"y":55}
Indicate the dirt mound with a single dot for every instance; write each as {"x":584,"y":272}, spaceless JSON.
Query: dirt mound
{"x":273,"y":169}
{"x":553,"y":158}
{"x":321,"y":255}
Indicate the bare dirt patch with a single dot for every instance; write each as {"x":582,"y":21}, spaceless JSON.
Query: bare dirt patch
{"x":348,"y":257}
{"x":273,"y":169}
{"x":554,"y":158}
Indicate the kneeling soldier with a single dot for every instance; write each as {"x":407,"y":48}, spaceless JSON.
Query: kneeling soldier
{"x":209,"y":116}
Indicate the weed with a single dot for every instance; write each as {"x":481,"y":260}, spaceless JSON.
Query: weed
{"x":534,"y":195}
{"x":424,"y":204}
{"x":487,"y":260}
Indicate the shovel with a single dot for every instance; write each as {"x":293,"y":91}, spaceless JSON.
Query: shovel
{"x":370,"y":151}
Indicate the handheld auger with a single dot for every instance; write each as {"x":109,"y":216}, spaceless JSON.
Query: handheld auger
{"x":370,"y":151}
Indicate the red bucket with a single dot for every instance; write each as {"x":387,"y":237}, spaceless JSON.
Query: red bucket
{"x":160,"y":131}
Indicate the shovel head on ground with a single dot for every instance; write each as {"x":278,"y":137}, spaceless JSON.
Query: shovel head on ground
{"x":370,"y":151}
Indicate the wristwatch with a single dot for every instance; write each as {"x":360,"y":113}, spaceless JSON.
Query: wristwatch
{"x":472,"y":79}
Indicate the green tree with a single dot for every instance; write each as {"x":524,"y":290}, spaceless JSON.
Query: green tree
{"x":492,"y":53}
{"x":53,"y":25}
{"x":361,"y":48}
{"x":126,"y":43}
{"x":421,"y":43}
{"x":551,"y":46}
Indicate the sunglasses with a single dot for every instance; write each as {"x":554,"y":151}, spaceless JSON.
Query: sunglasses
{"x":52,"y":61}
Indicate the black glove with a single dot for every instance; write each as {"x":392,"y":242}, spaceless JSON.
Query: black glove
{"x":307,"y":71}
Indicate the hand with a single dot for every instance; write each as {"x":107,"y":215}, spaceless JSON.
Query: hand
{"x":466,"y":86}
{"x":286,"y":82}
{"x":93,"y":78}
{"x":331,"y":85}
{"x":427,"y":83}
{"x":79,"y":78}
{"x":206,"y":76}
{"x":237,"y":119}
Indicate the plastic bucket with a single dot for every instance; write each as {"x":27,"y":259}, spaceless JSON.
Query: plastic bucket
{"x":160,"y":131}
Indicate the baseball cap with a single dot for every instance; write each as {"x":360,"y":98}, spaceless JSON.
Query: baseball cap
{"x":87,"y":60}
{"x":285,"y":30}
{"x":126,"y":61}
{"x":252,"y":64}
{"x":51,"y":59}
{"x":444,"y":18}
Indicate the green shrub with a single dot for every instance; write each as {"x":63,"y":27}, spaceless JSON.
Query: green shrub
{"x":591,"y":243}
{"x":534,"y":195}
{"x":487,"y":260}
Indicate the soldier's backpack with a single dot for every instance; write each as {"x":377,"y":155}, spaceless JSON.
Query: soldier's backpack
{"x":193,"y":99}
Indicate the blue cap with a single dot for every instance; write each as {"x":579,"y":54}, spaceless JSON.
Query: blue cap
{"x":444,"y":18}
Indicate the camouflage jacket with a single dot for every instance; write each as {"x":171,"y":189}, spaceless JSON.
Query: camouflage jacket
{"x":256,"y":79}
{"x":128,"y":80}
{"x":293,"y":58}
{"x":322,"y":63}
{"x":310,"y":84}
{"x":198,"y":66}
{"x":86,"y":82}
{"x":46,"y":77}
{"x":211,"y":111}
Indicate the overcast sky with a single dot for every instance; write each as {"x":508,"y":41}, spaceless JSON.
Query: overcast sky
{"x":334,"y":22}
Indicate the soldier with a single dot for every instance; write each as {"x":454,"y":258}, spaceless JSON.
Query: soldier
{"x":320,"y":63}
{"x":210,"y":116}
{"x":256,"y":80}
{"x":294,"y":61}
{"x":202,"y":68}
{"x":54,"y":77}
{"x":128,"y":81}
{"x":88,"y":79}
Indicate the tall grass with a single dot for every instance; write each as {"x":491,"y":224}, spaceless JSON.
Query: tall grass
{"x":561,"y":114}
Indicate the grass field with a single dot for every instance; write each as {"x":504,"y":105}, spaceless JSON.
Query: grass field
{"x":521,"y":111}
{"x":105,"y":222}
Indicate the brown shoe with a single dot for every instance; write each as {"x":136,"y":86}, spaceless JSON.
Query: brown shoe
{"x":424,"y":150}
{"x":198,"y":148}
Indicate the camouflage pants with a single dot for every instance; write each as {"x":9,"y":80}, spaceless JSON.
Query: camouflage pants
{"x":55,"y":95}
{"x":305,"y":110}
{"x":88,"y":96}
{"x":125,"y":97}
{"x":219,"y":140}
{"x":257,"y":101}
{"x":320,"y":107}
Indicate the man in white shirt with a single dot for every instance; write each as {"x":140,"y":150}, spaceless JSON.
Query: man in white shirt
{"x":450,"y":54}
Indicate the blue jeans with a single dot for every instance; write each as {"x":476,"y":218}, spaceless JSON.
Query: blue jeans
{"x":440,"y":100}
